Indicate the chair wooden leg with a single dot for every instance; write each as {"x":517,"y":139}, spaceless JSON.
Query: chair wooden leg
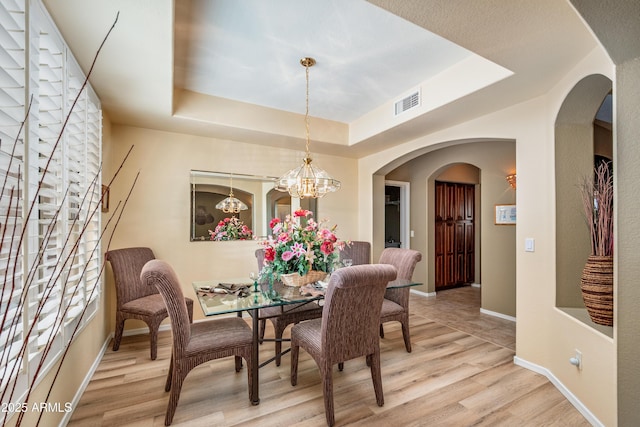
{"x":167,"y":385}
{"x":340,"y":366}
{"x":376,"y":377}
{"x":176,"y":387}
{"x":153,"y":339}
{"x":238,"y":363}
{"x":381,"y":331}
{"x":117,"y":337}
{"x":405,"y":334}
{"x":327,"y":392}
{"x":294,"y":363}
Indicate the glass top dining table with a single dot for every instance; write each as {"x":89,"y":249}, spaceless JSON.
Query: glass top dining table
{"x":238,"y":295}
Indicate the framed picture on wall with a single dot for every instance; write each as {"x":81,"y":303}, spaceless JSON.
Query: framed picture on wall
{"x":505,"y":214}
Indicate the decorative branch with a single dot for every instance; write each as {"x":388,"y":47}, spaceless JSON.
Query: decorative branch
{"x":597,"y":203}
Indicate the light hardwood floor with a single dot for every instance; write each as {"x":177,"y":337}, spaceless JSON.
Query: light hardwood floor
{"x":460,"y":373}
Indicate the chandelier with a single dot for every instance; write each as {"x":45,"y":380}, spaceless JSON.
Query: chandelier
{"x":307,"y":180}
{"x":231,"y":204}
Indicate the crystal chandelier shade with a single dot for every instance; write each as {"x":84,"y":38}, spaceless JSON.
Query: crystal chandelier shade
{"x":231,"y":204}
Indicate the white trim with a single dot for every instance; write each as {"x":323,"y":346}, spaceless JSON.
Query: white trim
{"x":405,"y":217}
{"x":423,"y":294}
{"x":496,"y":314}
{"x":564,"y":390}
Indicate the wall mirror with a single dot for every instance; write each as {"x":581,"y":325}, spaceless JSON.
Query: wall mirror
{"x":263,"y":202}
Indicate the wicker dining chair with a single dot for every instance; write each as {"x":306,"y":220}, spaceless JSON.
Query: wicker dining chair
{"x":348,"y":327}
{"x":359,"y":252}
{"x":133,"y":300}
{"x":195,"y":343}
{"x":282,"y":317}
{"x":395,"y":306}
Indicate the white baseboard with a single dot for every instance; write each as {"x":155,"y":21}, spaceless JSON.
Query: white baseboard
{"x":85,"y":382}
{"x":496,"y":314}
{"x":564,"y":390}
{"x":423,"y":294}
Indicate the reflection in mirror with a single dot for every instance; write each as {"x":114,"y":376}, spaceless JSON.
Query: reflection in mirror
{"x":280,"y":205}
{"x":263,"y":202}
{"x":208,"y":189}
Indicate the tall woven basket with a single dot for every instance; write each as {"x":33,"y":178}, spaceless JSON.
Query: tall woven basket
{"x":294,"y":279}
{"x":597,"y":289}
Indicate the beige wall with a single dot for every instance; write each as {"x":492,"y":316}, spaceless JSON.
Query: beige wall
{"x":158,"y":211}
{"x":546,"y":337}
{"x":496,"y":255}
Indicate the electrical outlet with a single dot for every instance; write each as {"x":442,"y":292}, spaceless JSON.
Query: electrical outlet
{"x":576,"y":360}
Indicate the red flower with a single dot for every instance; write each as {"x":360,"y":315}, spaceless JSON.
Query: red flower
{"x":326,"y":247}
{"x":269,"y":254}
{"x":301,"y":212}
{"x":273,"y":222}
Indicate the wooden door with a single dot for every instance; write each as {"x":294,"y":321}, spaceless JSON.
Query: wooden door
{"x":454,"y":234}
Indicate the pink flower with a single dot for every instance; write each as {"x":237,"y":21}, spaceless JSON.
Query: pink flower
{"x":287,"y":255}
{"x":298,"y":249}
{"x":283,"y":237}
{"x":325,"y":234}
{"x":273,"y":222}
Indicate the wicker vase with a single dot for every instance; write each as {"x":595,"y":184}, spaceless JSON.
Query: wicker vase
{"x":294,"y":279}
{"x":597,"y":289}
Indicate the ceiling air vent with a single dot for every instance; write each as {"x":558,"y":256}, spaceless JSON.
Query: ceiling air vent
{"x":407,"y":103}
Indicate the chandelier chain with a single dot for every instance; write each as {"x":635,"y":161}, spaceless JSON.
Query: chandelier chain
{"x":306,"y":114}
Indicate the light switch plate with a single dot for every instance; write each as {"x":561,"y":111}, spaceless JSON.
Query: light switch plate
{"x":529,"y":244}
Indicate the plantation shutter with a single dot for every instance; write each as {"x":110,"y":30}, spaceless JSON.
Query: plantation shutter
{"x":45,"y":297}
{"x":84,"y":194}
{"x":12,"y":110}
{"x":93,"y":169}
{"x":50,"y":255}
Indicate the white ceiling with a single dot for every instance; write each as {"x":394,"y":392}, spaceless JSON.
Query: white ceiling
{"x":250,"y":51}
{"x":243,"y":56}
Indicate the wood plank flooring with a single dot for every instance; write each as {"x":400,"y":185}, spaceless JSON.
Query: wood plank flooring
{"x":460,"y":373}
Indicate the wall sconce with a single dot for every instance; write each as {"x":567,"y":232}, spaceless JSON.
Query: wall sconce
{"x":511,"y":179}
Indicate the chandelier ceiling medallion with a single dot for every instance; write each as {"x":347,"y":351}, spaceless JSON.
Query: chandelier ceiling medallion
{"x":307,"y":180}
{"x":231,"y":204}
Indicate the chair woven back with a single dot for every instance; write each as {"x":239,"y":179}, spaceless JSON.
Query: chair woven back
{"x":359,"y":252}
{"x":404,"y":260}
{"x":260,"y":258}
{"x":351,"y":313}
{"x":159,"y":275}
{"x":127,"y":264}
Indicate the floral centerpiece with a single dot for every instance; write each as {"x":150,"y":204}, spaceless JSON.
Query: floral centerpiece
{"x":231,"y":229}
{"x":300,"y":250}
